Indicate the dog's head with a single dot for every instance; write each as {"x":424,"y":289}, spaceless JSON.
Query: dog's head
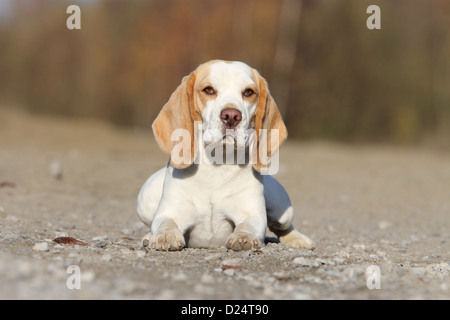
{"x":233,"y":104}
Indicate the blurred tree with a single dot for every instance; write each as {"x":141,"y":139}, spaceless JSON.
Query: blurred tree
{"x":331,"y":76}
{"x":285,"y":51}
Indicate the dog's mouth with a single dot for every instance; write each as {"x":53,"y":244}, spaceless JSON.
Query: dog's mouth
{"x":238,"y":137}
{"x":229,"y":137}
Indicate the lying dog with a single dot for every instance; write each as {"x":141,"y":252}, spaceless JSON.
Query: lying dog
{"x":213,"y":191}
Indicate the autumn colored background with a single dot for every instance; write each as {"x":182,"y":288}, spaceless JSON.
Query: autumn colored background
{"x":331,"y":76}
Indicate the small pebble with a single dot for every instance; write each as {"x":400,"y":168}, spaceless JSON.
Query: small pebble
{"x":180,"y":276}
{"x":359,"y":246}
{"x":55,"y":169}
{"x":231,"y":262}
{"x":229,"y":272}
{"x":13,"y":219}
{"x":213,"y":257}
{"x":126,"y":231}
{"x":207,"y":278}
{"x":101,"y":244}
{"x":384,"y":225}
{"x":41,"y":246}
{"x":87,"y":276}
{"x":140,"y":254}
{"x":106,"y":258}
{"x":2,"y":212}
{"x":100,"y":238}
{"x":280,"y":276}
{"x":305,"y":262}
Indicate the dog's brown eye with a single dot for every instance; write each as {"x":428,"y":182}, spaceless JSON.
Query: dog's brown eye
{"x":248,"y":92}
{"x":209,"y":90}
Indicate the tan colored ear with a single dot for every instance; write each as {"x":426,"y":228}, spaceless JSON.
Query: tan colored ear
{"x":267,"y":119}
{"x":177,"y":113}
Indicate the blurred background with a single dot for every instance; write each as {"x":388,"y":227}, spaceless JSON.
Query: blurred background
{"x":331,"y":76}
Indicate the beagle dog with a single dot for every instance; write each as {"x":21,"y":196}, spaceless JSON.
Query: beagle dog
{"x":208,"y":195}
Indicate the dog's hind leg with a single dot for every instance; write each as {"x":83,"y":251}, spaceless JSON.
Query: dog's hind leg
{"x":280,"y":214}
{"x":148,"y":201}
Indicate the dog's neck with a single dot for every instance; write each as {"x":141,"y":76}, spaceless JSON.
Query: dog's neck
{"x":223,"y":154}
{"x":216,"y":166}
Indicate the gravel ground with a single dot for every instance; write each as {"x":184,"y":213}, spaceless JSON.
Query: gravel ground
{"x":366,"y":207}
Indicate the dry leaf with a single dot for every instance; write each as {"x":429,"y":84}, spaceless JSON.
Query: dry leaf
{"x":225,"y":267}
{"x":7,"y":184}
{"x":70,"y":240}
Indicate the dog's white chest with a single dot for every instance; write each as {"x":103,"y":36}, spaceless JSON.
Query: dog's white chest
{"x":218,"y":193}
{"x":212,"y":228}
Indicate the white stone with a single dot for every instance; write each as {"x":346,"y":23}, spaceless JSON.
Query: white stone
{"x":231,"y":262}
{"x":55,"y":169}
{"x":100,"y":238}
{"x":305,"y":262}
{"x":41,"y":246}
{"x":229,"y":272}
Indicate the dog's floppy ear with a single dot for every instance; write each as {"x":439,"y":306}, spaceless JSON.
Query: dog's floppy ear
{"x":177,"y":113}
{"x":268,"y":124}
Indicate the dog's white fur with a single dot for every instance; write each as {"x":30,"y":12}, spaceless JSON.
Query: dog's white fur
{"x":210,"y":205}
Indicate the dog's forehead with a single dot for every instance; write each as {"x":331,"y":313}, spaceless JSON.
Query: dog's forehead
{"x":230,"y":74}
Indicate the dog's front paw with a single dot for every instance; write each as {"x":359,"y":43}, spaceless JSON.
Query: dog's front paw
{"x":145,"y":241}
{"x":238,"y":241}
{"x":168,"y":240}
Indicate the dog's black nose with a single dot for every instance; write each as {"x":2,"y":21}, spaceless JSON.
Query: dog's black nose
{"x":230,"y":117}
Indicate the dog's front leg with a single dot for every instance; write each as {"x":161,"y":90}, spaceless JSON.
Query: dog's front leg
{"x":249,"y":233}
{"x":167,"y":237}
{"x":241,"y":239}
